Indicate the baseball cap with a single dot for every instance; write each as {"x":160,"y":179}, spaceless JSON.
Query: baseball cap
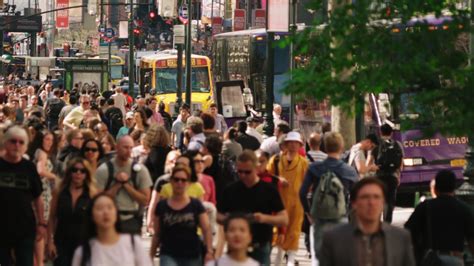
{"x":129,"y":115}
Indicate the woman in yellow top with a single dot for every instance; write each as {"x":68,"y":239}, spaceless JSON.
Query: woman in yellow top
{"x":291,"y":167}
{"x":194,"y":189}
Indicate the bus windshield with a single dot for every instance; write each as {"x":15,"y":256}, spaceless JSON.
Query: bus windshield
{"x":166,"y":80}
{"x":282,"y":58}
{"x":116,"y":72}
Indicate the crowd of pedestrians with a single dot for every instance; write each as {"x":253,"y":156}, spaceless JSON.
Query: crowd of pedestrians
{"x":83,"y":176}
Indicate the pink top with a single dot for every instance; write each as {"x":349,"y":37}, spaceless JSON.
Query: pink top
{"x":156,"y":118}
{"x":208,"y":184}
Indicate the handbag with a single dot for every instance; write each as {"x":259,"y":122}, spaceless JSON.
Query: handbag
{"x":430,"y":256}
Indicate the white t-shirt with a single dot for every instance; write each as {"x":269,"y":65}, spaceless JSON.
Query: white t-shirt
{"x":225,"y":260}
{"x":120,"y":101}
{"x":121,"y":253}
{"x":270,"y":145}
{"x":253,"y":132}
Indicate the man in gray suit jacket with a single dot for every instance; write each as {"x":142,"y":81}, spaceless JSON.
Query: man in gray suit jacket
{"x":367,"y":241}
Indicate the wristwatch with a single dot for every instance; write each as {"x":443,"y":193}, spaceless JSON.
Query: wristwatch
{"x":43,"y":224}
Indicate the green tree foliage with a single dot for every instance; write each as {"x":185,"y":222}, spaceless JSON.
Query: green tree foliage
{"x":377,"y":46}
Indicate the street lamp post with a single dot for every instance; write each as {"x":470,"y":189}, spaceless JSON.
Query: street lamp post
{"x":131,"y":57}
{"x":188,"y":54}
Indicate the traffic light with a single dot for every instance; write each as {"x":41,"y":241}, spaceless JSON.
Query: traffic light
{"x":152,"y":17}
{"x":153,"y":13}
{"x":137,"y":32}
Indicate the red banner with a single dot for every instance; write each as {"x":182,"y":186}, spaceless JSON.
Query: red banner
{"x":62,"y":16}
{"x":239,"y":19}
{"x":217,"y":25}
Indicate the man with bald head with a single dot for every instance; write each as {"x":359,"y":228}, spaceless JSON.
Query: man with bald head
{"x":128,"y":182}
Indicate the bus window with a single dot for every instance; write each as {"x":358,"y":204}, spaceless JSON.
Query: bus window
{"x":282,"y":59}
{"x":116,"y":72}
{"x":408,"y":108}
{"x":166,"y":80}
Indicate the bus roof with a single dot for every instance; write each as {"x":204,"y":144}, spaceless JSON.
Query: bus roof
{"x":260,"y":31}
{"x":253,"y":32}
{"x":166,"y":54}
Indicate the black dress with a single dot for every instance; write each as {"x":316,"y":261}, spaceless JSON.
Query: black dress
{"x":70,"y":223}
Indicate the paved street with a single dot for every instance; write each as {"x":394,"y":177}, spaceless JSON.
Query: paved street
{"x":401,"y":215}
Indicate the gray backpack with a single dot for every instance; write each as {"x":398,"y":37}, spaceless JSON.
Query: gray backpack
{"x":328,"y":200}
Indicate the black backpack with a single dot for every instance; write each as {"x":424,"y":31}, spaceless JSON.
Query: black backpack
{"x":110,"y":168}
{"x":227,"y":170}
{"x":390,"y":156}
{"x":55,"y":106}
{"x":115,"y":121}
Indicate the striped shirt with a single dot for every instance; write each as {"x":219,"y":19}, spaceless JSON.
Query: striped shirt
{"x":318,"y":156}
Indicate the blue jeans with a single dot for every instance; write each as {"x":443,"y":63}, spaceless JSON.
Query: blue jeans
{"x":174,"y":261}
{"x":23,"y":250}
{"x":262,"y":254}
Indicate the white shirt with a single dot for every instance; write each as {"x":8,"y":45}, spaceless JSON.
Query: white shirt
{"x":122,"y":253}
{"x":120,"y":101}
{"x":253,"y":132}
{"x":225,"y":260}
{"x":270,"y":145}
{"x":196,"y":142}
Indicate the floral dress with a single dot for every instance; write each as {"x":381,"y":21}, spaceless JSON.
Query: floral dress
{"x":48,"y":186}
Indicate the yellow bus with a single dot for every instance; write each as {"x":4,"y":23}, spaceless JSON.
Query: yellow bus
{"x":116,"y":69}
{"x":159,"y":72}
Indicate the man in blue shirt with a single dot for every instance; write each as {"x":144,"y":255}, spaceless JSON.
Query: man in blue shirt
{"x":334,"y":145}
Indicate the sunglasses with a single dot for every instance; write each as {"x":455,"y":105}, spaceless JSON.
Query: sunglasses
{"x":91,"y":149}
{"x":177,"y":180}
{"x":246,"y":172}
{"x":17,"y":141}
{"x":198,"y":161}
{"x":78,"y":170}
{"x":86,"y":102}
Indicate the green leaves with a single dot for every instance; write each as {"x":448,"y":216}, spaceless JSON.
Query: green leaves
{"x":378,"y":46}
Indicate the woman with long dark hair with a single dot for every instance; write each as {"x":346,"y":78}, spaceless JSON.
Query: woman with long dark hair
{"x":92,"y":151}
{"x":68,"y":210}
{"x":176,"y":222}
{"x":41,"y":151}
{"x":104,"y":245}
{"x":141,"y":123}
